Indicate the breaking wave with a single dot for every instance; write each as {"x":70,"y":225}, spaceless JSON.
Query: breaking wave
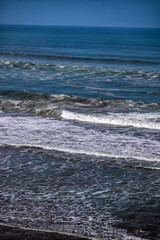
{"x":138,"y":120}
{"x":94,"y":110}
{"x":63,"y":98}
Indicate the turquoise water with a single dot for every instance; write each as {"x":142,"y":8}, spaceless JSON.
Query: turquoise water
{"x":80,"y":130}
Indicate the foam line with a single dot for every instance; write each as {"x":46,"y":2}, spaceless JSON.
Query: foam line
{"x":83,"y":152}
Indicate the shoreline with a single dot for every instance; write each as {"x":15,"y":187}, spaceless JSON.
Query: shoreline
{"x":17,"y":233}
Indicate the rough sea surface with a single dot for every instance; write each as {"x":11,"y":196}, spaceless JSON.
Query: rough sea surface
{"x":80,"y":130}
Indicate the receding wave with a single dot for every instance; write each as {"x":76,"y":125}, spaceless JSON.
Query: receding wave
{"x":86,"y":59}
{"x":138,"y":120}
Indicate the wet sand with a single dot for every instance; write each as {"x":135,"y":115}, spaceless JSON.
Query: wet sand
{"x":15,"y":233}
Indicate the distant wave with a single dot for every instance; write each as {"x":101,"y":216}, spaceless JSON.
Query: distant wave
{"x":86,"y":59}
{"x":24,"y":95}
{"x":138,"y":120}
{"x":26,"y":65}
{"x":127,"y":73}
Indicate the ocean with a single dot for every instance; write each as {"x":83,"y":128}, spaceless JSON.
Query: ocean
{"x":80,"y":130}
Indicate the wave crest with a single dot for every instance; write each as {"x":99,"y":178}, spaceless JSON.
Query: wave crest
{"x":138,"y":120}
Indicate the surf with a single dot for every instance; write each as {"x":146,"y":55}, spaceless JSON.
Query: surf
{"x":138,"y":120}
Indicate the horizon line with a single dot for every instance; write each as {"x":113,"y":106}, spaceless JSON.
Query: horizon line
{"x":87,"y":26}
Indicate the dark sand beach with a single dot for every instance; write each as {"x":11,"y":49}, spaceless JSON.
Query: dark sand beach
{"x":15,"y":233}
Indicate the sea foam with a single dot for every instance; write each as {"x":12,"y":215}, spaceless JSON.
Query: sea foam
{"x":67,"y":137}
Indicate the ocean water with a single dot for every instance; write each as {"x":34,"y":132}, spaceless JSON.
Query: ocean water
{"x":80,"y":130}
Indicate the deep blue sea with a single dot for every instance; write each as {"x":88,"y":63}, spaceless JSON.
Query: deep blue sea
{"x":80,"y":130}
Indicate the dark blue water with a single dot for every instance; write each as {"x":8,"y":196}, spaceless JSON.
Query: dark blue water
{"x":80,"y":130}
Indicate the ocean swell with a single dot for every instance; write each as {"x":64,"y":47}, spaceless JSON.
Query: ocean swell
{"x":84,"y":59}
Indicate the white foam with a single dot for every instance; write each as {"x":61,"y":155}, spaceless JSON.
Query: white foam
{"x":138,"y":120}
{"x":7,"y":62}
{"x":68,"y":137}
{"x":61,"y":66}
